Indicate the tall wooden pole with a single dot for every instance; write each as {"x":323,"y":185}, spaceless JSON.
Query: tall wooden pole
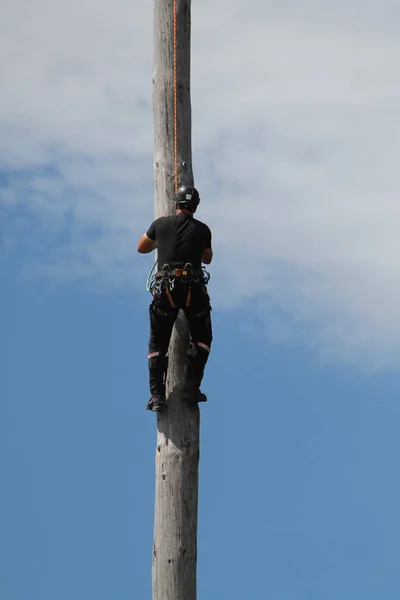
{"x":178,"y":428}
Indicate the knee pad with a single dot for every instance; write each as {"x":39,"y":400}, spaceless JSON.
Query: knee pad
{"x":204,"y":347}
{"x":195,"y":348}
{"x":157,"y":356}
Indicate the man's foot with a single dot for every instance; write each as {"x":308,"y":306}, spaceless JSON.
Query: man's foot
{"x":157,"y":403}
{"x":193,"y":395}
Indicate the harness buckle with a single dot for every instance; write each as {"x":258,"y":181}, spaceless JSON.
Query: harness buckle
{"x":181,"y":273}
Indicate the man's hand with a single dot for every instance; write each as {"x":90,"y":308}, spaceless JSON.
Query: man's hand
{"x":146,"y":245}
{"x":207,"y":256}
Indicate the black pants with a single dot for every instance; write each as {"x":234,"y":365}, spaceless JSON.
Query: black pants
{"x":163,"y":312}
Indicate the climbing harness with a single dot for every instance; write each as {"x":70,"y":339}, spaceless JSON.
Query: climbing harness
{"x":165,"y":278}
{"x":168,"y":275}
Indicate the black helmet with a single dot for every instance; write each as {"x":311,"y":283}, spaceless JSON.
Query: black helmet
{"x":187,"y":197}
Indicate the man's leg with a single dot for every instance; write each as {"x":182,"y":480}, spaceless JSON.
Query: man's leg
{"x":199,"y":320}
{"x":162,"y":319}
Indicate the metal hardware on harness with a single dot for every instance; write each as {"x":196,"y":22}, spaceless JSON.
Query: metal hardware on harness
{"x":167,"y":275}
{"x":180,"y":273}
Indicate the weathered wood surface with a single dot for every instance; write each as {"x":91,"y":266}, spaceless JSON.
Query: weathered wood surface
{"x":178,"y":428}
{"x":163,"y":102}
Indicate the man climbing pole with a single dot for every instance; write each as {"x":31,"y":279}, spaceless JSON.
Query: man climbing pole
{"x":183,"y":243}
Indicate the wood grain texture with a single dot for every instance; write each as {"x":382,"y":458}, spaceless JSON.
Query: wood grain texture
{"x":178,"y":428}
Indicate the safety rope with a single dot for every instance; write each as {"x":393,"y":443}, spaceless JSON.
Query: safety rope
{"x":151,"y":277}
{"x":175,"y":99}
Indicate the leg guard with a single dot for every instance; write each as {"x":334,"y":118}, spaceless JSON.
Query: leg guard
{"x":157,"y":372}
{"x":162,"y":320}
{"x":196,"y":365}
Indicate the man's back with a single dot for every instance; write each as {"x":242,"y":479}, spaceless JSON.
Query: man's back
{"x":180,"y":239}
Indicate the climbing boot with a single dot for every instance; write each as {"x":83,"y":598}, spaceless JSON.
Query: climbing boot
{"x":157,"y":403}
{"x":193,"y":395}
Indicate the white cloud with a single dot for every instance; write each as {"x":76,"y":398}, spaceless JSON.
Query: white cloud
{"x":296,"y":135}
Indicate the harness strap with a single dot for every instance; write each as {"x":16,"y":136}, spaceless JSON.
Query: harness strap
{"x":179,"y":273}
{"x":186,"y":274}
{"x":172,"y":303}
{"x":189,"y":297}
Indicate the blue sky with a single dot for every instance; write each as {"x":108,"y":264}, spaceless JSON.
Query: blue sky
{"x":299,"y":489}
{"x":295,"y":119}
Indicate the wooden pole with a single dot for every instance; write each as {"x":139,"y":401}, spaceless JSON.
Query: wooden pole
{"x":178,"y":428}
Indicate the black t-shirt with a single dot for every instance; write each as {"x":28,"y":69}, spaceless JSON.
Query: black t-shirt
{"x":180,"y":239}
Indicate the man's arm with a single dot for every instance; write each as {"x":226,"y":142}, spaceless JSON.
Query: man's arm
{"x":146,"y":244}
{"x":207,"y":256}
{"x":207,"y":252}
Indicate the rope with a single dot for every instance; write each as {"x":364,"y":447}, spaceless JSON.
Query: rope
{"x":175,"y":99}
{"x":150,"y":277}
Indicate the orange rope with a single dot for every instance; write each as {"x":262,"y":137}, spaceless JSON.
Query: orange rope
{"x":175,"y":101}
